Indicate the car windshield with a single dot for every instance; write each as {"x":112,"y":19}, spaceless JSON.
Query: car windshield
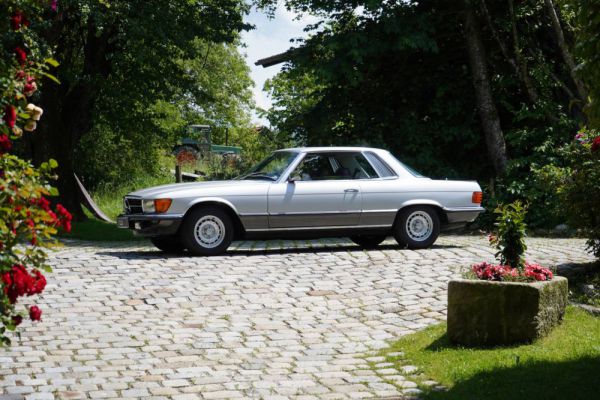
{"x":271,"y":167}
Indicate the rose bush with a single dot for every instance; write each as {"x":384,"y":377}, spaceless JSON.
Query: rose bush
{"x":28,"y":221}
{"x":577,"y":184}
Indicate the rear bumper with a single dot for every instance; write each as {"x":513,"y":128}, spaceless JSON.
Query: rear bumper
{"x":151,"y":225}
{"x":459,"y":217}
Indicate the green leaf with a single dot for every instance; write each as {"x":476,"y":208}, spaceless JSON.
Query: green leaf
{"x":51,"y":77}
{"x":52,"y":62}
{"x":53,"y":163}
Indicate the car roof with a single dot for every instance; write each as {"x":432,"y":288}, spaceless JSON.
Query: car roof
{"x":330,"y":148}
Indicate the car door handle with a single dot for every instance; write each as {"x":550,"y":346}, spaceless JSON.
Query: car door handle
{"x":351,"y":190}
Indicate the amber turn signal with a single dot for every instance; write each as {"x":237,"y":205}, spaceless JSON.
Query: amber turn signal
{"x":162,"y":205}
{"x":477,"y":197}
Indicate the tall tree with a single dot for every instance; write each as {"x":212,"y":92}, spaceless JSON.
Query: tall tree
{"x":488,"y":113}
{"x":128,"y":51}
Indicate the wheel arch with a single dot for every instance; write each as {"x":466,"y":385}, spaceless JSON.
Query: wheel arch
{"x":224,"y":205}
{"x":423,"y":202}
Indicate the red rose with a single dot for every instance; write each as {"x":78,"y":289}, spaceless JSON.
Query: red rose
{"x":16,"y":20}
{"x":5,"y":143}
{"x":35,"y":313}
{"x":20,"y":75}
{"x":596,"y":144}
{"x":64,"y":217}
{"x":43,"y":203}
{"x":21,"y":56}
{"x":17,"y":319}
{"x":39,"y":283}
{"x":10,"y":116}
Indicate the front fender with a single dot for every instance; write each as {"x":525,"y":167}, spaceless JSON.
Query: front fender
{"x":217,"y":200}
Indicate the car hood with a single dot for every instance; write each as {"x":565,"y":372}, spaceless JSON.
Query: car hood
{"x":174,"y":188}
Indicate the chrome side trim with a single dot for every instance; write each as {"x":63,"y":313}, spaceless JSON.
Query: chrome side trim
{"x":463,"y":209}
{"x":316,"y":213}
{"x":152,"y":217}
{"x":393,"y":210}
{"x":309,"y":228}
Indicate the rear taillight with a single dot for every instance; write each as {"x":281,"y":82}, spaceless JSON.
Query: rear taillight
{"x":477,"y":197}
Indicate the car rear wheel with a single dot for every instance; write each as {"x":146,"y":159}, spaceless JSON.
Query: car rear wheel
{"x":368,"y":241}
{"x":417,"y":227}
{"x":207,"y":231}
{"x":168,"y":244}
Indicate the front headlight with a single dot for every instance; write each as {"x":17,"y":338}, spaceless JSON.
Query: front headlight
{"x":148,"y":206}
{"x":156,"y":206}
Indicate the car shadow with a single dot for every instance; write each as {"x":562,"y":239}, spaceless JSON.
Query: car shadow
{"x":149,"y":255}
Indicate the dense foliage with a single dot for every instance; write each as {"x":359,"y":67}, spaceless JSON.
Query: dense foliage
{"x":132,"y":74}
{"x":27,"y":219}
{"x":401,"y":75}
{"x":577,"y":185}
{"x":587,"y":14}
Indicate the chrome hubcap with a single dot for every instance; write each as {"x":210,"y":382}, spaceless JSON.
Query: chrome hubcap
{"x":419,"y":226}
{"x":209,"y":231}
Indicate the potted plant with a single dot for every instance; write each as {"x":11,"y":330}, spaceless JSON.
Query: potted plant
{"x":512,"y":302}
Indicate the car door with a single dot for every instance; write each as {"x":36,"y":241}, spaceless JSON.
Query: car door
{"x":318,"y":194}
{"x":382,"y":194}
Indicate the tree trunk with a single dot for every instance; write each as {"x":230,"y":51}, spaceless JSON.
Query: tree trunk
{"x":564,"y":51}
{"x":68,"y":108}
{"x":488,"y":113}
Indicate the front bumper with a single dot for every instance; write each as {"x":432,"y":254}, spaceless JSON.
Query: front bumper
{"x":151,"y":224}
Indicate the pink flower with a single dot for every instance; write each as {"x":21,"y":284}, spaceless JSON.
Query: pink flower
{"x":54,"y":5}
{"x":537,"y":272}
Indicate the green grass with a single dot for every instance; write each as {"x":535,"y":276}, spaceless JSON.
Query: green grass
{"x":96,"y":230}
{"x":110,"y":201}
{"x":563,"y":365}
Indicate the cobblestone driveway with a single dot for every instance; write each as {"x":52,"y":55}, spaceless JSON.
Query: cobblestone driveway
{"x":283,"y":320}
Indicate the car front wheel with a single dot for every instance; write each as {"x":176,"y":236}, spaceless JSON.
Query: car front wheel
{"x":368,"y":241}
{"x":207,"y":231}
{"x":417,"y":227}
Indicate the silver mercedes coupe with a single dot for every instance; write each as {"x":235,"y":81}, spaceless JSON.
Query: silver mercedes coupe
{"x":363,"y":193}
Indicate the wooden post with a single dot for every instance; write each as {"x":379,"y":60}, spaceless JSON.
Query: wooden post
{"x":178,"y":177}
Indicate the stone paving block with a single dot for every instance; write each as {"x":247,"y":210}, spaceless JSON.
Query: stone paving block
{"x":124,"y":321}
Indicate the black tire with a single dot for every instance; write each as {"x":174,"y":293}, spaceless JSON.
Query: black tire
{"x":424,"y":220}
{"x":368,"y":241}
{"x":168,"y":244}
{"x":217,"y":222}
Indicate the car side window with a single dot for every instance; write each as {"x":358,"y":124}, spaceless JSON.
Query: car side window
{"x":334,"y":166}
{"x":382,"y":168}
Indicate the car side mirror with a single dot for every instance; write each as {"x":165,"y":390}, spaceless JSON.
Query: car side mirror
{"x":294,"y":178}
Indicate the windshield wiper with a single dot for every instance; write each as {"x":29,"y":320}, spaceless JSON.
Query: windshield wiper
{"x":259,"y":175}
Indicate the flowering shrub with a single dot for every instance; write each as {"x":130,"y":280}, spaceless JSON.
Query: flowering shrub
{"x":509,"y":239}
{"x":531,"y":272}
{"x":28,"y":221}
{"x":578,"y":185}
